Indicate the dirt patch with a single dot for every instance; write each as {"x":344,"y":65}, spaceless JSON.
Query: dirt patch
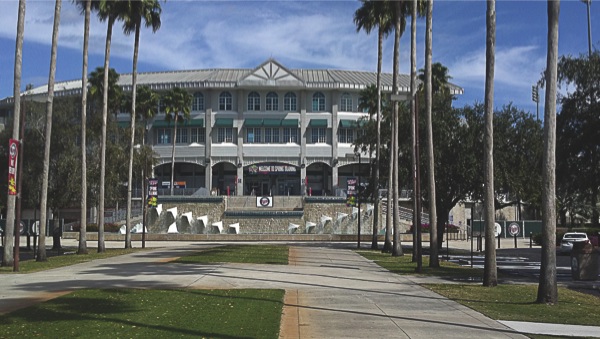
{"x":289,"y":328}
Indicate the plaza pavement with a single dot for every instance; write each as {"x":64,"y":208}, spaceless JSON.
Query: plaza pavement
{"x":331,"y":292}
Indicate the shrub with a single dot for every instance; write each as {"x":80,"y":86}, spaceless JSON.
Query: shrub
{"x":450,"y":228}
{"x":108,"y":227}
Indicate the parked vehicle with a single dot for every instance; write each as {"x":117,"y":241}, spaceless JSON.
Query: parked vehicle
{"x":566,"y":244}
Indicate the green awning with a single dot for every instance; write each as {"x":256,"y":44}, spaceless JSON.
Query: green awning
{"x":194,"y":123}
{"x":161,"y":123}
{"x":253,"y":122}
{"x":271,"y":122}
{"x":224,"y":122}
{"x":289,"y":123}
{"x":348,"y":123}
{"x":318,"y":123}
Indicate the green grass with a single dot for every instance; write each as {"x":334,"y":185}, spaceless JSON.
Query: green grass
{"x":517,"y":302}
{"x":129,"y":313}
{"x":250,"y":254}
{"x":29,"y":266}
{"x":404,"y":265}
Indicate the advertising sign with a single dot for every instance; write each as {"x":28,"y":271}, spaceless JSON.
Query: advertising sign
{"x":152,"y":192}
{"x":351,"y":192}
{"x":13,"y":151}
{"x":264,"y":201}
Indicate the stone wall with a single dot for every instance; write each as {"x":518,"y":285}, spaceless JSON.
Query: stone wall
{"x":313,"y":211}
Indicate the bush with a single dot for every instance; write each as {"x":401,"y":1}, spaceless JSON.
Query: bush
{"x":450,"y":228}
{"x":108,"y":227}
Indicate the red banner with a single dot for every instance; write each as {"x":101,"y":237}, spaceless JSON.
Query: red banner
{"x":13,"y":152}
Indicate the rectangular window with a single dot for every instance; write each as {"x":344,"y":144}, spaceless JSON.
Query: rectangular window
{"x":182,"y":136}
{"x":346,"y":135}
{"x":258,"y":135}
{"x":268,"y":134}
{"x":249,"y":135}
{"x":163,"y":136}
{"x":318,"y":135}
{"x":225,"y":134}
{"x":289,"y":103}
{"x":197,"y":135}
{"x":290,"y":135}
{"x":275,"y":136}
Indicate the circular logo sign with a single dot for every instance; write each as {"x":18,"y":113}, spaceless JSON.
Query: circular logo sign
{"x":13,"y":150}
{"x":497,"y":229}
{"x":264,"y":201}
{"x":514,"y":229}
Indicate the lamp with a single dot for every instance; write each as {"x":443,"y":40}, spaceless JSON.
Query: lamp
{"x":239,"y":165}
{"x":335,"y":162}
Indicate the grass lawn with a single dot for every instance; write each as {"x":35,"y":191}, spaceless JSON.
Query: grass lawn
{"x":250,"y":254}
{"x":404,"y":265}
{"x":128,"y":313}
{"x":517,"y":302}
{"x":504,"y":302}
{"x":28,"y":266}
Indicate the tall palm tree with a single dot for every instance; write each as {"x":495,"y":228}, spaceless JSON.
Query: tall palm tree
{"x":371,"y":14}
{"x":41,"y":256}
{"x":137,"y":11}
{"x":108,"y":11}
{"x":8,"y":256}
{"x":400,"y":25}
{"x":87,"y":8}
{"x":547,"y":290}
{"x":490,"y":272}
{"x":178,"y":103}
{"x":417,"y":255}
{"x":433,"y":238}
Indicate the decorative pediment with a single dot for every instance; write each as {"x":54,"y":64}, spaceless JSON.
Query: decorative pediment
{"x":271,"y":73}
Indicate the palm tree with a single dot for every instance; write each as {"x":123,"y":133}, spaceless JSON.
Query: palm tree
{"x":371,"y":14}
{"x":177,"y":103}
{"x":433,"y":238}
{"x":148,"y":11}
{"x":547,"y":290}
{"x":107,"y":11}
{"x":48,"y":134}
{"x":490,"y":273}
{"x":400,"y":25}
{"x":8,"y":257}
{"x":87,"y":7}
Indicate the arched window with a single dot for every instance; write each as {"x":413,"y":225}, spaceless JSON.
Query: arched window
{"x":318,"y":102}
{"x":289,"y":102}
{"x":198,"y":102}
{"x":272,"y":102}
{"x":346,"y":103}
{"x":225,"y":101}
{"x":253,"y":101}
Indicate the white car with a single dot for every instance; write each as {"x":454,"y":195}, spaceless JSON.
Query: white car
{"x":566,"y":244}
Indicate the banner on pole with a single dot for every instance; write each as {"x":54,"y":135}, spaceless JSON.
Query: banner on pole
{"x":13,"y":152}
{"x":152,"y":192}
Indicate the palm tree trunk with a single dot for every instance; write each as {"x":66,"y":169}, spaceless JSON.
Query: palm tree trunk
{"x":415,"y":120}
{"x":433,"y":238}
{"x":82,"y":249}
{"x":8,"y":257}
{"x":490,"y":274}
{"x":547,"y":289}
{"x":376,"y":215}
{"x":48,"y":135}
{"x":101,"y":246}
{"x":173,"y":155}
{"x":396,"y":246}
{"x":132,"y":141}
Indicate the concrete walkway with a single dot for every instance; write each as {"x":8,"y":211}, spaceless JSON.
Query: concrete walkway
{"x":330,"y":292}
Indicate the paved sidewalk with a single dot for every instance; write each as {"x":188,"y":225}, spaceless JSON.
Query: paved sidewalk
{"x":331,"y":292}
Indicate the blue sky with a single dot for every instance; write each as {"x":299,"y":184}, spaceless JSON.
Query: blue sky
{"x":199,"y":34}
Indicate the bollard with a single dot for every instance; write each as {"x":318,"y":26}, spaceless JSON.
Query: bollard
{"x":515,"y":240}
{"x":498,"y":240}
{"x":530,"y":239}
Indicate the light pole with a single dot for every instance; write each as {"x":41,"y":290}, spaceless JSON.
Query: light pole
{"x":358,"y":198}
{"x":589,"y":24}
